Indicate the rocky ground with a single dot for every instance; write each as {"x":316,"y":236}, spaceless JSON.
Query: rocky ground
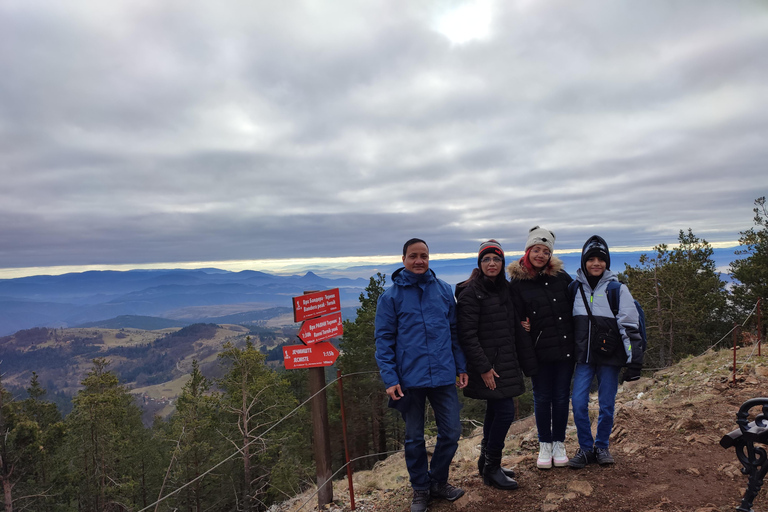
{"x":665,"y":442}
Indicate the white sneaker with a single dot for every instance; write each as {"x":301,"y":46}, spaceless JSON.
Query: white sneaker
{"x":559,"y":457}
{"x":545,"y":456}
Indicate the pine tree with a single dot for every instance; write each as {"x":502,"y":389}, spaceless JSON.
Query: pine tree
{"x":106,"y":435}
{"x":751,"y":272}
{"x":254,"y":398}
{"x":31,"y":433}
{"x":196,"y":444}
{"x":368,"y":418}
{"x":684,"y":299}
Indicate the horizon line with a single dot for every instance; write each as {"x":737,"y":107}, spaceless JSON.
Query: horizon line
{"x":285,"y":266}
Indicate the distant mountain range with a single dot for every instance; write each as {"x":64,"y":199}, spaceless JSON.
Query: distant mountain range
{"x":172,"y":298}
{"x":155,"y":299}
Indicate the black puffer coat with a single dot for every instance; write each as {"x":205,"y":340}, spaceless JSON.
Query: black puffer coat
{"x":491,"y":337}
{"x":543,"y":298}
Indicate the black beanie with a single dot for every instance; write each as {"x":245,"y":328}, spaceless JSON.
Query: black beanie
{"x":595,"y":246}
{"x":490,"y":247}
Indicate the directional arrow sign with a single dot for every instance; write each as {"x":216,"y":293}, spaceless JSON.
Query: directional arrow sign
{"x":309,"y":356}
{"x":316,"y":304}
{"x":321,"y":329}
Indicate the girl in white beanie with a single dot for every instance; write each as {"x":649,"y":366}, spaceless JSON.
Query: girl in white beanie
{"x":539,"y":287}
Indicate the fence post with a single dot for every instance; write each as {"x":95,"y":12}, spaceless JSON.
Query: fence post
{"x":346,"y":445}
{"x":736,"y":332}
{"x":759,"y":325}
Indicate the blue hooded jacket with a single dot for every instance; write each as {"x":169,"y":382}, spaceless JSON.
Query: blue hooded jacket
{"x":416,"y":342}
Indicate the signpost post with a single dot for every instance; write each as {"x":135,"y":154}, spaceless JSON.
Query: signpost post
{"x":320,"y":314}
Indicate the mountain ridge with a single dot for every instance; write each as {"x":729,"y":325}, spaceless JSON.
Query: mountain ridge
{"x":94,"y":296}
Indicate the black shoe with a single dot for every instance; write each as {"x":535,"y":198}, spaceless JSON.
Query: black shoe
{"x":481,"y":465}
{"x":603,"y":456}
{"x":494,"y":475}
{"x":581,"y":459}
{"x":445,"y":491}
{"x":420,"y":500}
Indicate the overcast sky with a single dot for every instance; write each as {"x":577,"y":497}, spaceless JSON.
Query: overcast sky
{"x":146,"y":131}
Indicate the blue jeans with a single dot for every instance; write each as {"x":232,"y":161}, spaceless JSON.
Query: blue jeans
{"x":607,"y":386}
{"x":551,"y":396}
{"x":445,"y":402}
{"x":499,"y":415}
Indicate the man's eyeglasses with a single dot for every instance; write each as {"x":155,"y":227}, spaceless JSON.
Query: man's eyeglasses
{"x":486,"y":261}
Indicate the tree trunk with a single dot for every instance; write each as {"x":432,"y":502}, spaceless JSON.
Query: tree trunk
{"x":671,"y":335}
{"x":381,"y":447}
{"x":198,"y":489}
{"x":7,"y":494}
{"x":246,"y":451}
{"x":375,"y":422}
{"x":5,"y":466}
{"x":659,"y":316}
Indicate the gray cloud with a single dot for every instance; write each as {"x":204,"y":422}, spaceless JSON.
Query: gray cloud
{"x":134,"y":133}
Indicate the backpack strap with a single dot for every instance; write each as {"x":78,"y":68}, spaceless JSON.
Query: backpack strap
{"x":613,"y":291}
{"x":572,"y":286}
{"x":586,"y":306}
{"x":591,"y":317}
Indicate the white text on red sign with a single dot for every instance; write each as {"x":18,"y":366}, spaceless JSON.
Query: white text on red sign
{"x":316,"y":304}
{"x":301,"y":356}
{"x":320,"y":329}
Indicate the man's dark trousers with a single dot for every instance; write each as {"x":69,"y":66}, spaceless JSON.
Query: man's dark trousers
{"x":445,"y":403}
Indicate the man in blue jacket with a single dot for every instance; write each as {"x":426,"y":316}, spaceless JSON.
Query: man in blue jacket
{"x":419,"y":358}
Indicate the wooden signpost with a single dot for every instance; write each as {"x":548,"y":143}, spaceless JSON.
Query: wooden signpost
{"x":320,"y":315}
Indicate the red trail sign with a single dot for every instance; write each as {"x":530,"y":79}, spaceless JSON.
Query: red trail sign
{"x":316,"y":304}
{"x":309,"y":356}
{"x":321,"y":329}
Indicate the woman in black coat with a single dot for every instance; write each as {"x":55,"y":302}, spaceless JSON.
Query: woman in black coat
{"x":497,"y":348}
{"x":539,"y":287}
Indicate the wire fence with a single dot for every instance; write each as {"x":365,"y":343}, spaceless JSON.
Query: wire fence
{"x":718,"y":341}
{"x":240,"y":450}
{"x":387,"y":453}
{"x":362,"y":457}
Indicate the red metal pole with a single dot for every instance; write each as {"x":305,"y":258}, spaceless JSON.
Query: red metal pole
{"x":759,"y":326}
{"x":735,"y":335}
{"x":346,"y":449}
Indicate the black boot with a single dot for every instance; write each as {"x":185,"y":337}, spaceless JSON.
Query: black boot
{"x":481,"y":462}
{"x":494,"y":475}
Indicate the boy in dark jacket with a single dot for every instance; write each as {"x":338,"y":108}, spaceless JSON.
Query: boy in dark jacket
{"x":604,"y":344}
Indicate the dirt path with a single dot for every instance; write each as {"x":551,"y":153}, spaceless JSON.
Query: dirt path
{"x":665,"y":441}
